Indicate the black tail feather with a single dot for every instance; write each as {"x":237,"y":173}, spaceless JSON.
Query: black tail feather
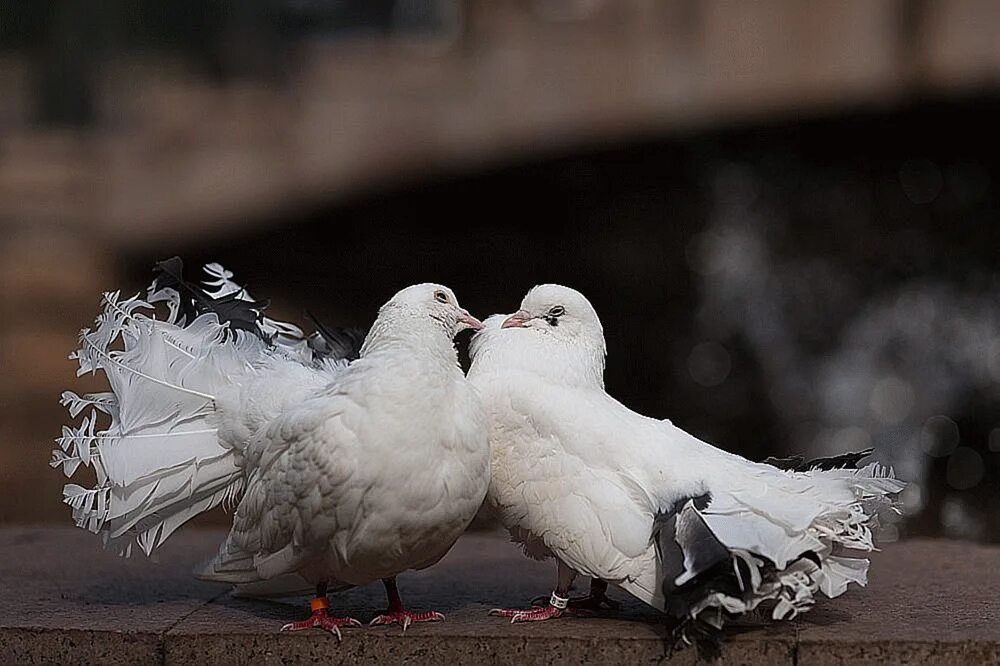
{"x":706,"y":639}
{"x":798,"y":463}
{"x":239,"y":313}
{"x":336,"y":343}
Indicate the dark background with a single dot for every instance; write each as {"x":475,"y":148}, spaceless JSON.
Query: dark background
{"x":777,"y":269}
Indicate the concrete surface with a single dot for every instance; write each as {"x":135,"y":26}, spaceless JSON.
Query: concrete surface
{"x":63,"y":600}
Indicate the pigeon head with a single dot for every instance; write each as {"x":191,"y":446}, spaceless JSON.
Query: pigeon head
{"x":419,"y":310}
{"x":560,"y":312}
{"x":556,"y":332}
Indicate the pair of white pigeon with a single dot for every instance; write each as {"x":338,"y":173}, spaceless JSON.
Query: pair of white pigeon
{"x":351,"y":465}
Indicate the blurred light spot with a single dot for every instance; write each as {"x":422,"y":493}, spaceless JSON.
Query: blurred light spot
{"x":729,"y":252}
{"x":995,"y":440}
{"x":911,"y":500}
{"x":965,"y":468}
{"x":939,"y":436}
{"x":844,"y":395}
{"x":709,"y":363}
{"x":851,"y":438}
{"x":921,"y":181}
{"x":891,"y":400}
{"x":957,"y":520}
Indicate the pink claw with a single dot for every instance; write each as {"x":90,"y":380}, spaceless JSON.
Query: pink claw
{"x":532,"y":615}
{"x":320,"y":619}
{"x":405,"y":618}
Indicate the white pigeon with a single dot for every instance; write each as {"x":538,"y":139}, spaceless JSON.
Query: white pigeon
{"x":637,"y":502}
{"x":341,"y":473}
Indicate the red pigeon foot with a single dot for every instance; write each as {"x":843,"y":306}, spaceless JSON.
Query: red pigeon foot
{"x":532,"y":615}
{"x":405,"y":618}
{"x":321,"y":619}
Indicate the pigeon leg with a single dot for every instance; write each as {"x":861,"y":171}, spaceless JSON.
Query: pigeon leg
{"x":396,"y":614}
{"x":320,"y":618}
{"x":597,"y":600}
{"x":594,"y":602}
{"x":558,"y":602}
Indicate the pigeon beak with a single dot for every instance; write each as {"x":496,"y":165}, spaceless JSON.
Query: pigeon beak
{"x":517,"y":320}
{"x":470,"y":322}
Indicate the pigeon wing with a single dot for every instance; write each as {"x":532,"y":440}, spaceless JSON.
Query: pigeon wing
{"x":305,"y":489}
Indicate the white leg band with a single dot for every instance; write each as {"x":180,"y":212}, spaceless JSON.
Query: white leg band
{"x":558,"y":602}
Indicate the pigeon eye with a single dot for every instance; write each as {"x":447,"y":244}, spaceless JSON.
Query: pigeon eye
{"x":552,"y":316}
{"x":440,"y":297}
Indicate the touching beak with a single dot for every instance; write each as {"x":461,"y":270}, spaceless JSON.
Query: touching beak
{"x":517,"y":320}
{"x":470,"y":321}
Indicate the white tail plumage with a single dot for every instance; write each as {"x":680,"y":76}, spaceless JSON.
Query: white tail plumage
{"x":786,"y":533}
{"x":822,"y":512}
{"x":159,"y":461}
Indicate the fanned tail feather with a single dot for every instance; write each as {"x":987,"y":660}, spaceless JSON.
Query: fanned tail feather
{"x":159,"y":460}
{"x":772,"y":543}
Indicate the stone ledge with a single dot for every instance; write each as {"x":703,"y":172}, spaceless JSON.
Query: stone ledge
{"x":62,"y":600}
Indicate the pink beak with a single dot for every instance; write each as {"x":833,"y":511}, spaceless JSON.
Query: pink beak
{"x":516,"y":320}
{"x":470,"y":321}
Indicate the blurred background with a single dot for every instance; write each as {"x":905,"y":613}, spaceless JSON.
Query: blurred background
{"x":785,"y":211}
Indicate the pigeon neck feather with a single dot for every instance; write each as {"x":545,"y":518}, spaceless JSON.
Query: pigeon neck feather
{"x":552,"y":359}
{"x":401,"y":329}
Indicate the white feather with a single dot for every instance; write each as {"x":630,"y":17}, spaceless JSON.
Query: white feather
{"x":578,"y":475}
{"x":160,"y":461}
{"x":340,"y":473}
